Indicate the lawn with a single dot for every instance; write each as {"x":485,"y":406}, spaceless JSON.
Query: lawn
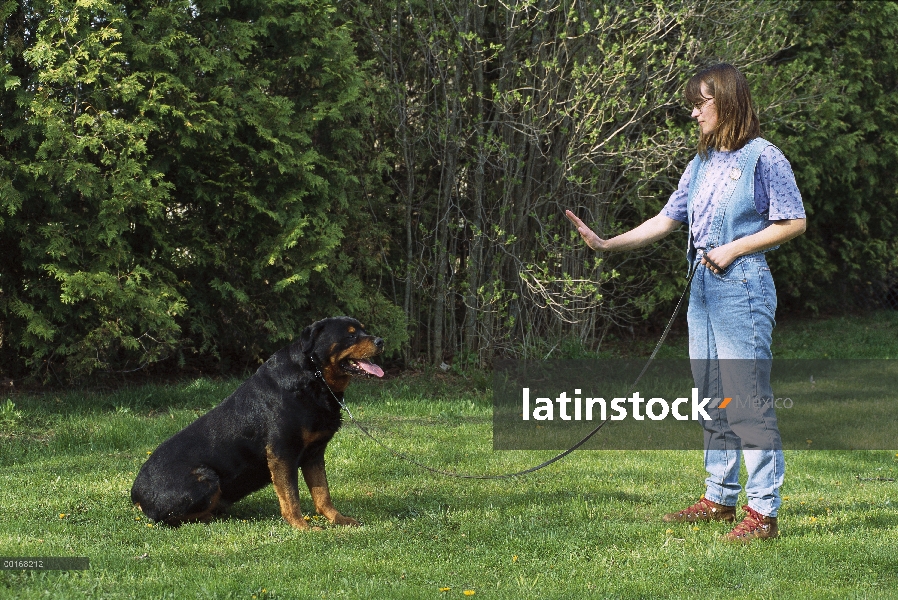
{"x":587,"y":526}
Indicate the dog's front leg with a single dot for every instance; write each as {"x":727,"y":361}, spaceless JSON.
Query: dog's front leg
{"x":286,"y":486}
{"x":316,"y":479}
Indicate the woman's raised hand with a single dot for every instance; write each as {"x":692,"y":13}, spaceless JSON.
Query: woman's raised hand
{"x":588,"y":235}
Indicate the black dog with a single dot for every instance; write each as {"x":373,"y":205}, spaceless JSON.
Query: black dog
{"x":277,"y":422}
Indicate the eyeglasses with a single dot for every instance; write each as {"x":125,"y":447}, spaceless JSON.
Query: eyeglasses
{"x":700,"y":105}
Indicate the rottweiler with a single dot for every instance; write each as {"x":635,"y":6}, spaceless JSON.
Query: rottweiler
{"x":279,"y":421}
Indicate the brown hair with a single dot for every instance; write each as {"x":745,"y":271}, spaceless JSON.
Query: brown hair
{"x":737,"y":121}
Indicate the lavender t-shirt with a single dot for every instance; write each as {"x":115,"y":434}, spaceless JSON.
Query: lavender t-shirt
{"x":776,"y":193}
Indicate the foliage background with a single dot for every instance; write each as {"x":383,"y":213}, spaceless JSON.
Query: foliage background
{"x":177,"y":178}
{"x":188,"y":184}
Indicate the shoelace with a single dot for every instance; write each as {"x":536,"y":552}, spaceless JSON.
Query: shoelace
{"x":752,"y":522}
{"x":702,"y":506}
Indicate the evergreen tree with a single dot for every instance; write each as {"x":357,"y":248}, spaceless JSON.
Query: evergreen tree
{"x":175,"y":176}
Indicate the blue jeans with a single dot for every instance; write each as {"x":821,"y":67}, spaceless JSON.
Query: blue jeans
{"x":731,"y":319}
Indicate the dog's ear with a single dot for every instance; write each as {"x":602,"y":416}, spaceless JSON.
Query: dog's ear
{"x":308,"y":337}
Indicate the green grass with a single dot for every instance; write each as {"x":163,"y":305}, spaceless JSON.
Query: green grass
{"x":873,"y":335}
{"x":585,"y":527}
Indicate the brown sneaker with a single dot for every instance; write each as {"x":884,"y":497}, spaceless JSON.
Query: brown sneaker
{"x":754,"y":526}
{"x":703,"y":510}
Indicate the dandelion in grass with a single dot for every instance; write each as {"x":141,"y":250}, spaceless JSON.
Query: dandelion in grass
{"x":468,"y":592}
{"x":62,"y":515}
{"x":445,"y":589}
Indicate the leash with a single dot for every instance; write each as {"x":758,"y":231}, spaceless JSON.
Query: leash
{"x":555,"y":458}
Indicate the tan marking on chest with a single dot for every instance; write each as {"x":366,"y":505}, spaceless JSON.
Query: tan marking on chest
{"x":310,"y":437}
{"x":337,"y":382}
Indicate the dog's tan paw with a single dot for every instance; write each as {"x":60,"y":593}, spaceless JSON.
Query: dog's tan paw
{"x":342,"y":520}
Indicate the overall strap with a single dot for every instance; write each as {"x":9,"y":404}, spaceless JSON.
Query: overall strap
{"x":739,"y":183}
{"x":699,"y":167}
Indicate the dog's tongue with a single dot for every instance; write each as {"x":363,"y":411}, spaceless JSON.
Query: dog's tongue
{"x":370,"y":367}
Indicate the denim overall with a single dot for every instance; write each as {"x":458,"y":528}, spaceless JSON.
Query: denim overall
{"x":731,"y":319}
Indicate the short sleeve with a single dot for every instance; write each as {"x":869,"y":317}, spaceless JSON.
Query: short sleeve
{"x":676,"y":206}
{"x":776,"y":193}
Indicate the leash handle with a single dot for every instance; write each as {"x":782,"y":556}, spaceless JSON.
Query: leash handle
{"x":555,"y":458}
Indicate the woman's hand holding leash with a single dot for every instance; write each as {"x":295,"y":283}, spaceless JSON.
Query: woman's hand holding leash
{"x":718,"y":259}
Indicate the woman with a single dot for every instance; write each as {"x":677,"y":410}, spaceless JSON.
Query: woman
{"x":739,"y":199}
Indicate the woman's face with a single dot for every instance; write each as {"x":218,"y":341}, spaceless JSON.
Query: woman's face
{"x":706,"y":113}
